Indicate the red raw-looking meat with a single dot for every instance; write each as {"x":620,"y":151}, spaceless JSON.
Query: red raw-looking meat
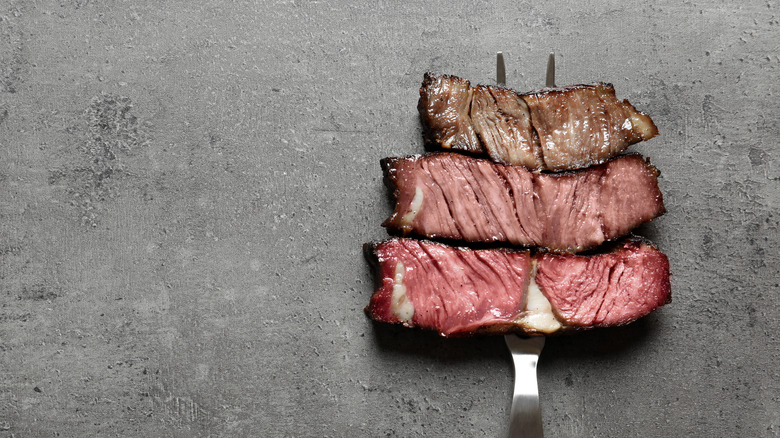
{"x":460,"y":291}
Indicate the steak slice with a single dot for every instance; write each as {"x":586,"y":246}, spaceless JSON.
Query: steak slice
{"x":461,"y":291}
{"x":453,"y":196}
{"x":451,"y":103}
{"x":559,"y":128}
{"x":452,"y":290}
{"x":605,"y":289}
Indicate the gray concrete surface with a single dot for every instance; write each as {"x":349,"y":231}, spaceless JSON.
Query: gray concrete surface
{"x":186,"y":187}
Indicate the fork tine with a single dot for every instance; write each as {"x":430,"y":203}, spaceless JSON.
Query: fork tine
{"x":500,"y":69}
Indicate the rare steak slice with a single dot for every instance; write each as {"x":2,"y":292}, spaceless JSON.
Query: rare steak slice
{"x":454,"y":196}
{"x":451,"y":290}
{"x":461,"y":291}
{"x":606,"y":289}
{"x":559,"y":128}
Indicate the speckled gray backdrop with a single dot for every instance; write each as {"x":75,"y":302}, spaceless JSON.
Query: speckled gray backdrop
{"x":186,"y":187}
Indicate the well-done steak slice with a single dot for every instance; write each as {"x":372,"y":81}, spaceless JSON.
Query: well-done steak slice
{"x":461,"y":291}
{"x":558,"y":128}
{"x":454,"y":196}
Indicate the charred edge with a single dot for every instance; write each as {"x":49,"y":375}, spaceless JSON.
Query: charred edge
{"x":369,"y":252}
{"x":390,"y":181}
{"x":428,"y":133}
{"x":454,"y":244}
{"x":569,"y":172}
{"x":565,"y":89}
{"x":596,"y":165}
{"x":668,"y":282}
{"x":388,"y":169}
{"x":431,"y":137}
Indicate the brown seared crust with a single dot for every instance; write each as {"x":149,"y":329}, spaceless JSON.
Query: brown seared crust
{"x":503,"y":125}
{"x":609,"y":125}
{"x":455,"y":131}
{"x":388,"y":169}
{"x":451,"y":120}
{"x":390,"y":180}
{"x":377,"y":306}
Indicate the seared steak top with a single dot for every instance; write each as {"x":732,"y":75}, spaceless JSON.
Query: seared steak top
{"x":551,"y":129}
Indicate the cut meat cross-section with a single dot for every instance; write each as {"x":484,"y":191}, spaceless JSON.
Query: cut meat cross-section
{"x":461,"y":291}
{"x":453,"y":196}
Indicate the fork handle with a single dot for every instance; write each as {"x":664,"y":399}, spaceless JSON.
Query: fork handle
{"x":525,"y":418}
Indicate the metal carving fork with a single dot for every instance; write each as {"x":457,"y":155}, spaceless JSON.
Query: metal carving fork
{"x":525,"y":418}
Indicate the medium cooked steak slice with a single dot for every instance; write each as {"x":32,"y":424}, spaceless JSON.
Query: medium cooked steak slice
{"x":454,"y":196}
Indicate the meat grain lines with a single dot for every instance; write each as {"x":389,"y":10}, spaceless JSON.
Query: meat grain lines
{"x":452,"y":196}
{"x":539,"y":173}
{"x":556,"y":128}
{"x":483,"y":291}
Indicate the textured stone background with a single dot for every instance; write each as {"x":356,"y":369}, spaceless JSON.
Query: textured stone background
{"x":186,"y":187}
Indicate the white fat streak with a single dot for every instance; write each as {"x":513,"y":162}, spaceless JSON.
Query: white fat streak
{"x":538,"y":314}
{"x":414,"y":207}
{"x":400,"y":304}
{"x":645,"y":129}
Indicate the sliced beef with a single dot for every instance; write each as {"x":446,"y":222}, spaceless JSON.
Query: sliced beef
{"x":460,"y":291}
{"x":451,"y":103}
{"x":501,"y":119}
{"x":585,"y":124}
{"x":551,"y":129}
{"x":607,"y":289}
{"x":451,"y":290}
{"x":453,"y":196}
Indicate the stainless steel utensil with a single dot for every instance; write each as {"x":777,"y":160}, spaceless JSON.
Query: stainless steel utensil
{"x":525,"y":417}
